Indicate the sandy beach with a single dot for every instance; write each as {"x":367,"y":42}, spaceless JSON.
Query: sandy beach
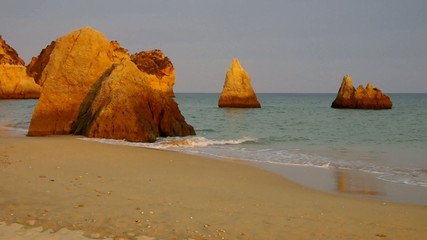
{"x":63,"y":186}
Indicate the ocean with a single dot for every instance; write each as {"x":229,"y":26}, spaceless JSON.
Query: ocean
{"x":292,"y":129}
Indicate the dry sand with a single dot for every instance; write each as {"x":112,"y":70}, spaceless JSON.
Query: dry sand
{"x":73,"y":187}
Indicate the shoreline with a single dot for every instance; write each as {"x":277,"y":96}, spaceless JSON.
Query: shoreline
{"x":114,"y":191}
{"x":350,"y":182}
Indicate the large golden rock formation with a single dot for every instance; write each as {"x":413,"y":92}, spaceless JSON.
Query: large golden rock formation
{"x":122,"y":105}
{"x":237,"y":91}
{"x":14,"y":82}
{"x":360,"y":98}
{"x":159,"y":69}
{"x":75,"y":79}
{"x":77,"y":61}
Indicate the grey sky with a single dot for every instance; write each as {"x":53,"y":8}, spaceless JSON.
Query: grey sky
{"x":285,"y":46}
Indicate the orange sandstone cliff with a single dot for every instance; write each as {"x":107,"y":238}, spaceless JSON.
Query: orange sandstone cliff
{"x":14,"y":81}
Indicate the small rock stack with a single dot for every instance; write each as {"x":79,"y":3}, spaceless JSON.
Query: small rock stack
{"x":360,"y":98}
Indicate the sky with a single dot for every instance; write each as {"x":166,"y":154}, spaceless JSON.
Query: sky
{"x":285,"y":46}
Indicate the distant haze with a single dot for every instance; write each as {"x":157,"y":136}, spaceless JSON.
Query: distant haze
{"x":285,"y":46}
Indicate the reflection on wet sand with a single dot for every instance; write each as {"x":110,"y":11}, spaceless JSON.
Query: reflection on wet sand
{"x":356,"y":183}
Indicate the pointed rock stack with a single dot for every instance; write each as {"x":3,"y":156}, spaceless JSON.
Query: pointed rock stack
{"x":14,"y":81}
{"x":360,"y":98}
{"x":91,"y":87}
{"x":237,"y":91}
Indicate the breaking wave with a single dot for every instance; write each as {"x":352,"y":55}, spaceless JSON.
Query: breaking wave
{"x":202,"y":142}
{"x":177,"y":142}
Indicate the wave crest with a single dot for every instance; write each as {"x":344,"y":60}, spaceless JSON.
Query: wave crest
{"x":201,"y":142}
{"x":177,"y":142}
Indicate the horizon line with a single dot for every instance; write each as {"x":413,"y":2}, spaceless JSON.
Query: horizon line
{"x":304,"y":92}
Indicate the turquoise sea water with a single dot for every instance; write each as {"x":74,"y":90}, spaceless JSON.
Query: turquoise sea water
{"x":294,"y":129}
{"x":302,"y":129}
{"x":15,"y":115}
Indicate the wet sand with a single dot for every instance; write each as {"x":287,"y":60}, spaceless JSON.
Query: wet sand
{"x":72,"y":187}
{"x":350,"y":182}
